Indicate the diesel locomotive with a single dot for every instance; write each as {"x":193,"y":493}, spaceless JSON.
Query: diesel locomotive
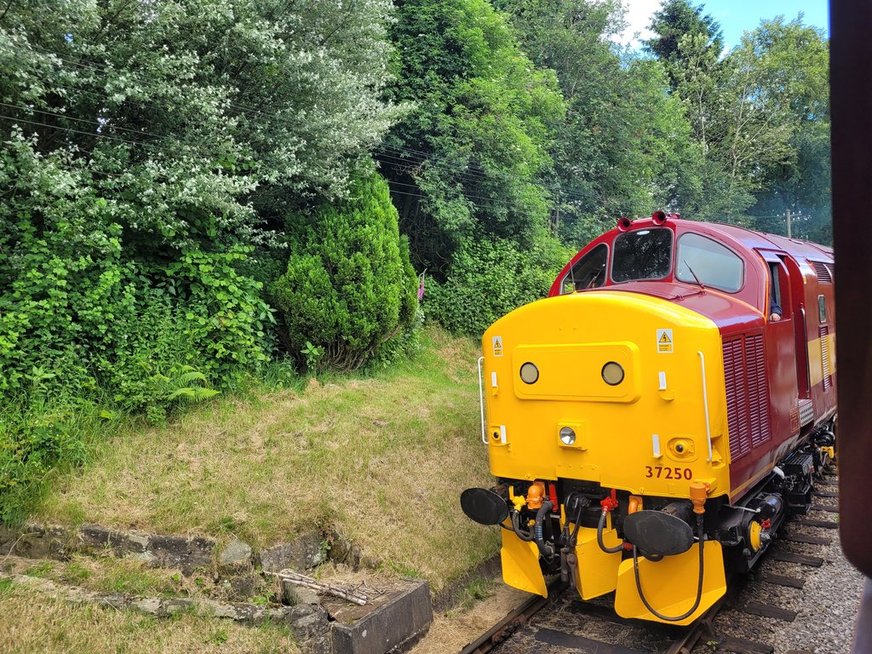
{"x":653,"y":421}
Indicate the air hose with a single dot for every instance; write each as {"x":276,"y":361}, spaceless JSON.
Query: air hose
{"x":599,"y":535}
{"x":524,"y":535}
{"x":693,"y":608}
{"x":544,"y":548}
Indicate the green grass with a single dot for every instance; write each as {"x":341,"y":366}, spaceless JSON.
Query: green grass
{"x":33,"y":622}
{"x":380,"y":457}
{"x":108,"y":574}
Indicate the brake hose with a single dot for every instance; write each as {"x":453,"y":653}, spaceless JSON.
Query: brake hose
{"x":693,"y":608}
{"x":525,"y":536}
{"x":599,"y":535}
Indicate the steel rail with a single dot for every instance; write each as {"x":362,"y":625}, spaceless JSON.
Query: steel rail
{"x":514,"y":620}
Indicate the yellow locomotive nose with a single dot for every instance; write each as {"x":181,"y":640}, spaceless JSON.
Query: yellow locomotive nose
{"x":603,"y":392}
{"x":610,"y":387}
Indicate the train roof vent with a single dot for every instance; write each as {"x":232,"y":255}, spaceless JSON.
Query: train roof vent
{"x":824,"y":276}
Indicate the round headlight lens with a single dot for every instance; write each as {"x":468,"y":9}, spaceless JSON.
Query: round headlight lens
{"x":567,"y":435}
{"x":613,"y":373}
{"x":529,"y":373}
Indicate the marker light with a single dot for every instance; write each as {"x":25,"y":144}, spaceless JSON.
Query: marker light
{"x":567,"y":436}
{"x":613,"y":373}
{"x":529,"y":373}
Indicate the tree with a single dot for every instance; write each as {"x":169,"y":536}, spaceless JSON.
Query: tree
{"x":148,"y":149}
{"x":792,"y":60}
{"x":624,"y":146}
{"x":349,"y":286}
{"x":469,"y":161}
{"x":675,"y":20}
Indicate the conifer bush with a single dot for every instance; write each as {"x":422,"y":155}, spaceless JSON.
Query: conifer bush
{"x":349,"y":287}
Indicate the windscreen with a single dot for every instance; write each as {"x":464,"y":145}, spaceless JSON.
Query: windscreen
{"x":644,"y":254}
{"x":588,"y":272}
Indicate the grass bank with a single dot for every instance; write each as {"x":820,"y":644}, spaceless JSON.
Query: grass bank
{"x":32,"y":622}
{"x":381,"y":458}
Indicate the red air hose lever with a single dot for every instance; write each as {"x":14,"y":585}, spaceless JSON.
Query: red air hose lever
{"x":610,"y":503}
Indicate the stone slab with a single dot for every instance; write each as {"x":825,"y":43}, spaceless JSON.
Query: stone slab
{"x":393,"y":625}
{"x":304,"y":553}
{"x":185,"y":553}
{"x":119,"y":542}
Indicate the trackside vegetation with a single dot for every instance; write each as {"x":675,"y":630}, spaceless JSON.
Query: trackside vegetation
{"x":211,"y":200}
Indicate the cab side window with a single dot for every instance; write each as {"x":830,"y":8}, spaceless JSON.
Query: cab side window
{"x":702,"y":260}
{"x":588,"y":272}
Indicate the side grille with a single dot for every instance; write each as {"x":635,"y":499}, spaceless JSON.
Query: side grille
{"x":826,"y":364}
{"x":823,"y":272}
{"x":747,"y":394}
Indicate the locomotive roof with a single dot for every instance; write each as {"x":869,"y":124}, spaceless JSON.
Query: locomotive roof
{"x":763,"y":241}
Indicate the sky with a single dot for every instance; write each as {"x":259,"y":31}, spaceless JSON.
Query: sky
{"x":734,"y":16}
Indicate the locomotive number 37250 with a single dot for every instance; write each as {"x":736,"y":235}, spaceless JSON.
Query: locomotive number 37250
{"x":666,"y":472}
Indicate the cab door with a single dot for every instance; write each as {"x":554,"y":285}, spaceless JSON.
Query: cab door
{"x":783,"y":317}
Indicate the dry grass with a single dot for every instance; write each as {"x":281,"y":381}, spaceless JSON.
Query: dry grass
{"x":382,"y":458}
{"x":33,"y":622}
{"x":450,"y":632}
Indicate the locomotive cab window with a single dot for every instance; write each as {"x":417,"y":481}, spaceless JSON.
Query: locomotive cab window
{"x":644,"y":254}
{"x":588,"y":272}
{"x":702,"y":260}
{"x":779,"y":299}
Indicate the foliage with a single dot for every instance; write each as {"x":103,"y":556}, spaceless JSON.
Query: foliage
{"x":471,"y":158}
{"x":34,"y":440}
{"x":759,"y":113}
{"x":671,"y":24}
{"x":148,"y":152}
{"x":792,"y":60}
{"x":490,"y":278}
{"x":349,"y":286}
{"x":625,"y":145}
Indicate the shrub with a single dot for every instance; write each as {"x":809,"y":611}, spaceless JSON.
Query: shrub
{"x":349,"y":287}
{"x":489,"y":278}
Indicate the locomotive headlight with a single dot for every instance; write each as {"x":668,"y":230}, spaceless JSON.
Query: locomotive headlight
{"x":529,"y":373}
{"x":567,"y":435}
{"x":613,"y":373}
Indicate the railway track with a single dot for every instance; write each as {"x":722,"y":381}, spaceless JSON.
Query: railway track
{"x":562,"y":624}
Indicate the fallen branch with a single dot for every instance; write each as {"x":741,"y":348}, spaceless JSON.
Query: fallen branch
{"x":308,"y":582}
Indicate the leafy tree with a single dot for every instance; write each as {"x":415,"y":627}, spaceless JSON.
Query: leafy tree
{"x":625,"y":145}
{"x":672,"y":23}
{"x":148,"y":149}
{"x":793,"y":61}
{"x":349,"y":286}
{"x":469,"y":161}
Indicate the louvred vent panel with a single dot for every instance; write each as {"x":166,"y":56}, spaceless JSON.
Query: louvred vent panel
{"x":826,"y":363}
{"x":823,"y":272}
{"x":747,"y":394}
